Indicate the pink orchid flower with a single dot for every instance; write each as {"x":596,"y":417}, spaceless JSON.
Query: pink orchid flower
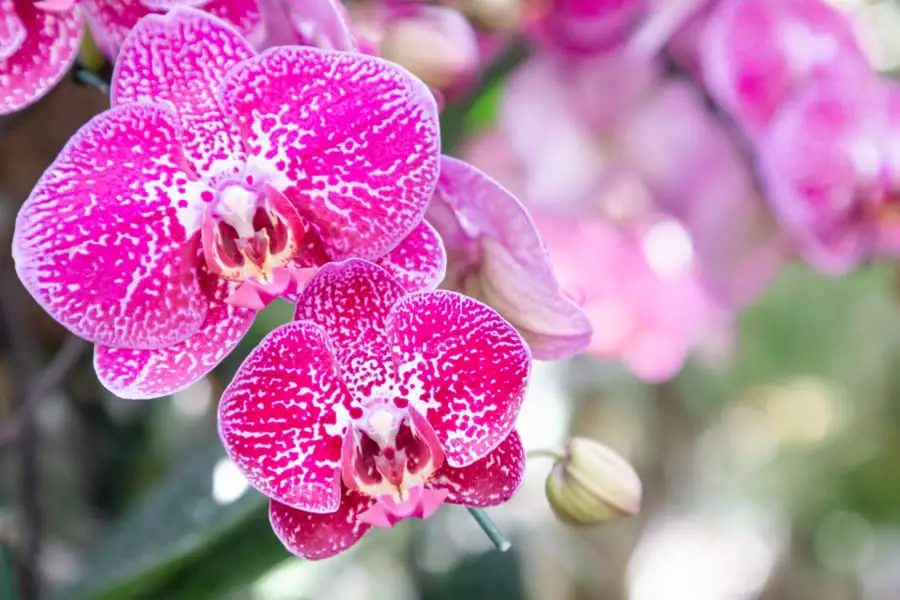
{"x":586,"y":26}
{"x":757,"y":54}
{"x":831,"y":163}
{"x":37,"y":47}
{"x":496,"y":255}
{"x":216,"y":182}
{"x":397,"y":402}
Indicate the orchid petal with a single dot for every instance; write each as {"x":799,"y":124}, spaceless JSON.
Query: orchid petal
{"x":107,"y":242}
{"x":757,"y":54}
{"x":315,"y":536}
{"x":112,"y":20}
{"x":352,"y":140}
{"x":142,"y":374}
{"x":181,"y":58}
{"x":826,"y":161}
{"x":419,"y":263}
{"x":466,"y":367}
{"x":12,"y":30}
{"x":514,"y":276}
{"x":321,"y":23}
{"x":37,"y":47}
{"x":349,"y":300}
{"x":283,"y":417}
{"x":489,"y":481}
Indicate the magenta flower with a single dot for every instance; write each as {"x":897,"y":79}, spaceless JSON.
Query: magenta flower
{"x":584,"y":26}
{"x":112,"y":20}
{"x":495,"y":254}
{"x":38,"y":44}
{"x":831,"y":164}
{"x":757,"y":54}
{"x":376,"y":405}
{"x":216,"y":182}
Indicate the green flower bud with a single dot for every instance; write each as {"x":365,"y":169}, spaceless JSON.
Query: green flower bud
{"x":591,"y":484}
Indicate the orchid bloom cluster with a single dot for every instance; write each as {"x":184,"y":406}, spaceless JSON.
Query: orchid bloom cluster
{"x":223,"y":178}
{"x":653,"y":164}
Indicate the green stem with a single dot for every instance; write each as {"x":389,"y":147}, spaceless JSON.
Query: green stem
{"x":501,"y":542}
{"x":545,"y":453}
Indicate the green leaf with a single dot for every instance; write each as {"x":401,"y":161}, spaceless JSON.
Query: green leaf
{"x":176,"y":522}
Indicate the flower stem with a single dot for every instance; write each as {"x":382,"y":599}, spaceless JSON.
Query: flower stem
{"x":501,"y":542}
{"x":85,"y":76}
{"x":554,"y":454}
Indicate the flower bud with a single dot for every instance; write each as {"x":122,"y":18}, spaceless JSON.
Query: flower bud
{"x":434,"y":42}
{"x":592,"y":484}
{"x":493,"y":15}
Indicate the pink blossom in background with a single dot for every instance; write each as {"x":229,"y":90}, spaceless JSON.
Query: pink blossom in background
{"x":496,"y":255}
{"x":696,"y":173}
{"x":397,"y":402}
{"x":216,"y":182}
{"x":639,"y":285}
{"x":585,"y":26}
{"x":831,"y":164}
{"x":321,"y":23}
{"x":757,"y":54}
{"x":37,"y":47}
{"x":576,"y":131}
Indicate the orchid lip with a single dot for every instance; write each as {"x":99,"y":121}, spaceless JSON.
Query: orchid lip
{"x":251,"y":234}
{"x":390,"y":454}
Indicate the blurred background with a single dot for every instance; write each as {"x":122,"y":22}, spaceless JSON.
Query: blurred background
{"x":770,"y":459}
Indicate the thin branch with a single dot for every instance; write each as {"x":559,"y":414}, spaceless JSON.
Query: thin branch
{"x":44,"y":384}
{"x":501,"y":542}
{"x":81,"y":74}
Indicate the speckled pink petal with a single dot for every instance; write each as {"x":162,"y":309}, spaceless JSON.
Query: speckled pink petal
{"x":353,"y":142}
{"x":349,"y":299}
{"x":31,"y":64}
{"x":111,"y":20}
{"x":487,"y":482}
{"x":419,"y":262}
{"x":283,"y":417}
{"x":244,"y":15}
{"x":466,"y":367}
{"x":12,"y":30}
{"x":107,"y":243}
{"x":514,"y":274}
{"x":143,"y":374}
{"x":181,"y":58}
{"x":316,"y":536}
